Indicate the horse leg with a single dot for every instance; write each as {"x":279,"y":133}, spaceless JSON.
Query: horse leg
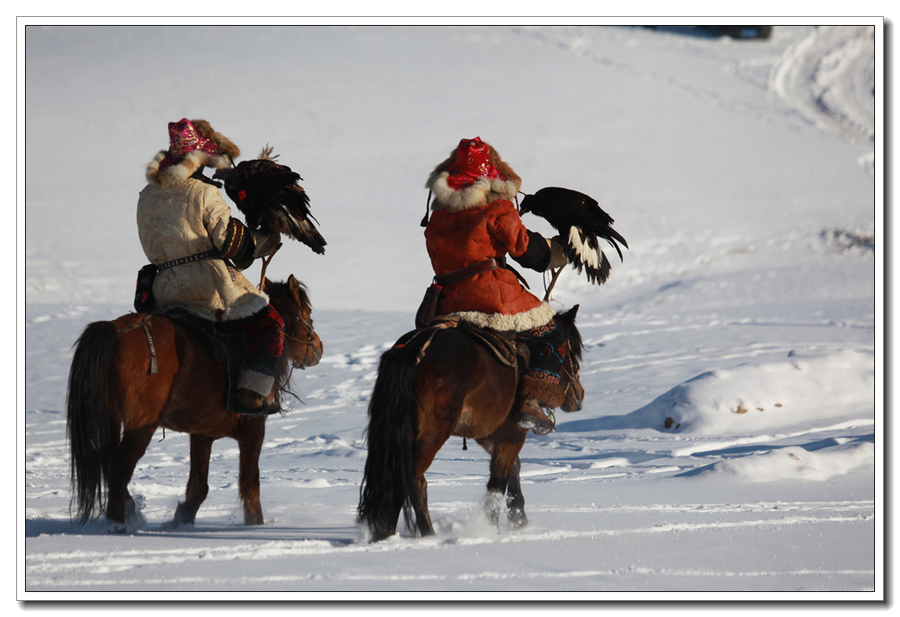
{"x":197,"y":486}
{"x":121,"y":467}
{"x":249,"y":435}
{"x":504,"y":447}
{"x":515,"y":502}
{"x":420,"y":507}
{"x":430,"y":439}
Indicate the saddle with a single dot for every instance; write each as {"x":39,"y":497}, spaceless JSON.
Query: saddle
{"x":503,"y":346}
{"x":225,"y":342}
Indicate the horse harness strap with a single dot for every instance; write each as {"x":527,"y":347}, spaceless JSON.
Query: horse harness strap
{"x":310,"y":341}
{"x":154,"y":368}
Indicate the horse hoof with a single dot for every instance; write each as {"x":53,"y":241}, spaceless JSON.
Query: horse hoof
{"x":491,"y":506}
{"x":175,"y":523}
{"x":254,"y":521}
{"x":517,"y":519}
{"x":117,"y":529}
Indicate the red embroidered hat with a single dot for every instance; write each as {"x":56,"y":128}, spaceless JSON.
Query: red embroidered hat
{"x":184,"y":138}
{"x":473,"y":161}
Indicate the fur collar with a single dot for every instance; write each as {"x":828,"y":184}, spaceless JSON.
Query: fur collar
{"x":481,"y":193}
{"x":183,"y":169}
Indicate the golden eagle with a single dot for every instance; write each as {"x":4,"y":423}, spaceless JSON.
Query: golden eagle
{"x":268,"y":195}
{"x":580,"y":222}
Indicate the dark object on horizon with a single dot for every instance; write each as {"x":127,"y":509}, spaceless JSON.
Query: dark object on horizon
{"x":269,"y":196}
{"x":580,"y":222}
{"x":735,"y":32}
{"x":745,"y":32}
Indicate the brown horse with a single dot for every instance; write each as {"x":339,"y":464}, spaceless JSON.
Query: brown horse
{"x":119,"y":393}
{"x":456,"y":387}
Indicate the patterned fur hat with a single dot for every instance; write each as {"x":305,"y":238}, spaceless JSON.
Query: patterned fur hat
{"x":224,"y":145}
{"x":193,"y":144}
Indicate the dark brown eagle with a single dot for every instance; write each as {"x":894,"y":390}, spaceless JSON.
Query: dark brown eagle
{"x":268,"y":195}
{"x":580,"y":222}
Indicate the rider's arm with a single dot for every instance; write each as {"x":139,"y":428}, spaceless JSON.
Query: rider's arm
{"x":528,"y":248}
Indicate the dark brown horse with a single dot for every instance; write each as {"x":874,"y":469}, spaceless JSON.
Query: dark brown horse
{"x":456,"y":387}
{"x":116,"y":402}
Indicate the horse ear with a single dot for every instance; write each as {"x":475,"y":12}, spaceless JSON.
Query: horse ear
{"x":572,"y":312}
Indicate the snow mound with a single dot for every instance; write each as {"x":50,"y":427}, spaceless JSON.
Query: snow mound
{"x":803,"y":389}
{"x":794,"y":462}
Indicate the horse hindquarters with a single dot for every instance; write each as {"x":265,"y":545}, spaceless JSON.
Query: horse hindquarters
{"x":91,"y":432}
{"x":389,"y":478}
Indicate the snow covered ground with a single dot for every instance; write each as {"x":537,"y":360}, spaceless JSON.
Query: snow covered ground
{"x":731,"y":443}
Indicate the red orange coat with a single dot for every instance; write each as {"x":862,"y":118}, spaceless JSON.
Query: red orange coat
{"x":456,"y":239}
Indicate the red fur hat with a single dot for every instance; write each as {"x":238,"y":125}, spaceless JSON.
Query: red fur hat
{"x":472,"y":176}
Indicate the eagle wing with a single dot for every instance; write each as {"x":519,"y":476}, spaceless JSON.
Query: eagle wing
{"x":272,"y":200}
{"x":581,"y":223}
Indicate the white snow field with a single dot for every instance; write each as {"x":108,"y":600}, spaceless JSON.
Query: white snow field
{"x":731,"y":442}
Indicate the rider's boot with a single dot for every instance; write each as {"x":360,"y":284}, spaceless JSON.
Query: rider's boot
{"x":251,"y":403}
{"x":531,"y":416}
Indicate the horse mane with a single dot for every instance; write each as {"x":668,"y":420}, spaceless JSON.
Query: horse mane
{"x":283,"y":300}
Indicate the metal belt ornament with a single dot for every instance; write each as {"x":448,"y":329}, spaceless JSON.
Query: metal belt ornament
{"x":188,"y":259}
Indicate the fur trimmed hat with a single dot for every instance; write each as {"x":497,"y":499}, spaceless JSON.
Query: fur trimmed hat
{"x":192,"y":144}
{"x":224,"y":145}
{"x":474,"y":175}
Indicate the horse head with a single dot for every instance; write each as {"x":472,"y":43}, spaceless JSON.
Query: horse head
{"x":572,"y":366}
{"x":302,"y":346}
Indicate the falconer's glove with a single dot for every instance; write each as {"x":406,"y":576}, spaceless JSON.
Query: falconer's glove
{"x":266,"y":244}
{"x":557,"y":255}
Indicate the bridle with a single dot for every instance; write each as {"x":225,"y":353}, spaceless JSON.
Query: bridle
{"x":575,"y":373}
{"x":309,"y":342}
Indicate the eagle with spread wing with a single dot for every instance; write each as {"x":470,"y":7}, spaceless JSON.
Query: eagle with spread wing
{"x":581,"y":223}
{"x":269,"y":196}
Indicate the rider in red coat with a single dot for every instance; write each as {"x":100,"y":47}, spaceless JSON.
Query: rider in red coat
{"x":473,"y":226}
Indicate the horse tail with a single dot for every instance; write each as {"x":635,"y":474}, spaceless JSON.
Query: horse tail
{"x":389,"y":479}
{"x":87,"y":422}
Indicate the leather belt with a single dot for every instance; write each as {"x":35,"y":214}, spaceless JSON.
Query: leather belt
{"x":463,"y":273}
{"x":482,"y":266}
{"x":188,"y":259}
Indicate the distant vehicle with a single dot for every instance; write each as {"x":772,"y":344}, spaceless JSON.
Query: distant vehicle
{"x":745,"y":32}
{"x":735,"y":32}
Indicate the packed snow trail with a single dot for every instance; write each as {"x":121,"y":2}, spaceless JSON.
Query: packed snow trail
{"x":829,"y":77}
